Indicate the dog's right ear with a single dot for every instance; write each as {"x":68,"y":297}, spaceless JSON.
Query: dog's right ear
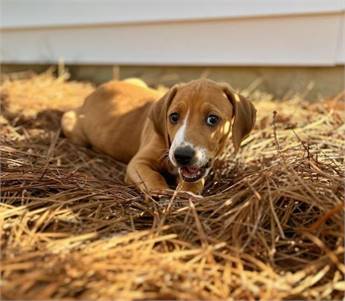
{"x":159,"y":111}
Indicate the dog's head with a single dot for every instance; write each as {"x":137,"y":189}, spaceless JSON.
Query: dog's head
{"x":196,"y":119}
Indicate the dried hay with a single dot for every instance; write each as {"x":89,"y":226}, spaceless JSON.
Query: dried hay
{"x":271,"y":225}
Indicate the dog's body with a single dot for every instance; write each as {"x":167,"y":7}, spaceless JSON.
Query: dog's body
{"x":179,"y":133}
{"x":111,"y":119}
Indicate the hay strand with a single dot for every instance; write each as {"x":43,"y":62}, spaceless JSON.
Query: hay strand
{"x":270,"y":226}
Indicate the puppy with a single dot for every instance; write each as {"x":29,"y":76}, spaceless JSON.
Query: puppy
{"x":179,"y":133}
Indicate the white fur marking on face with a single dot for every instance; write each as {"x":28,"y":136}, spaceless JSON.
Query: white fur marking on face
{"x":179,"y":139}
{"x":181,"y":133}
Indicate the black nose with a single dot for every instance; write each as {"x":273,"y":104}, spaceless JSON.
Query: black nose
{"x":184,"y":155}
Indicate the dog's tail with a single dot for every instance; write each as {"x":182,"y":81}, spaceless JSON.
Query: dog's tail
{"x":72,"y":126}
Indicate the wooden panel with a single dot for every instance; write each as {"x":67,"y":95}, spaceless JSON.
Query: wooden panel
{"x":290,"y":40}
{"x":43,"y":13}
{"x":340,"y":55}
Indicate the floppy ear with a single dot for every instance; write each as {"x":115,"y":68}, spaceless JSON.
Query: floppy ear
{"x":244,"y":116}
{"x":159,"y":111}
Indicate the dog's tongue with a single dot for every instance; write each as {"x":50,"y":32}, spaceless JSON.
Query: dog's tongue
{"x":190,"y":170}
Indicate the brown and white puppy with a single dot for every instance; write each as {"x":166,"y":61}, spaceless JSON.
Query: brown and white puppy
{"x":180,"y":133}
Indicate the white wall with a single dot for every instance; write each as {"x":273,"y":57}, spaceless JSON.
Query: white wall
{"x":174,"y":32}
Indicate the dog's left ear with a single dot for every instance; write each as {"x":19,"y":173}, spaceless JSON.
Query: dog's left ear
{"x":159,"y":111}
{"x":244,"y":115}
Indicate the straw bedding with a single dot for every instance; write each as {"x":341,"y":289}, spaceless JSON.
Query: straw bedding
{"x":270,"y":226}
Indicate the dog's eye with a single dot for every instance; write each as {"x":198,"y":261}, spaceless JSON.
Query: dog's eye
{"x":212,"y":120}
{"x":174,"y":117}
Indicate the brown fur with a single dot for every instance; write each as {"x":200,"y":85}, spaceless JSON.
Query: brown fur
{"x":130,"y":122}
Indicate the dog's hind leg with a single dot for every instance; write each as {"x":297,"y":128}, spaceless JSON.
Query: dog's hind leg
{"x":71,"y":124}
{"x":136,"y":81}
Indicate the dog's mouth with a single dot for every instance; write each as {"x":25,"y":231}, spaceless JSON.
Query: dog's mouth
{"x":192,"y":173}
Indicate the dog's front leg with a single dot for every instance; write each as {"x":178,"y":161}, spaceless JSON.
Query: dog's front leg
{"x":195,"y":187}
{"x":145,"y":177}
